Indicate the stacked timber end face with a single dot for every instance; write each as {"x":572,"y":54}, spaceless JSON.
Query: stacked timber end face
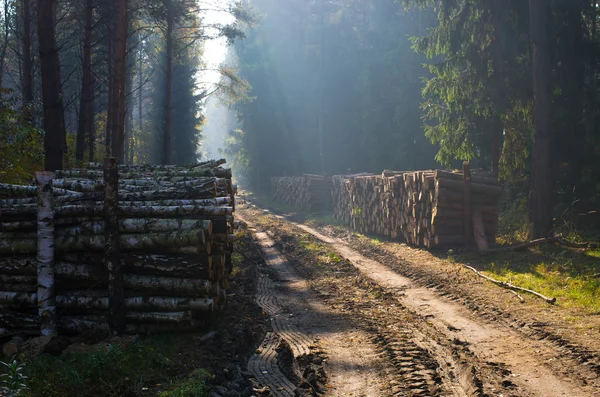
{"x":311,"y":192}
{"x":422,"y":208}
{"x":133,"y":249}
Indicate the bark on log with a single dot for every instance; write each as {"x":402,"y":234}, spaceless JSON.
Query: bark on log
{"x":83,"y":301}
{"x":164,"y":242}
{"x":144,"y":211}
{"x":159,"y":317}
{"x":138,"y":225}
{"x":28,"y":287}
{"x":194,"y":287}
{"x":476,"y":188}
{"x":45,"y":254}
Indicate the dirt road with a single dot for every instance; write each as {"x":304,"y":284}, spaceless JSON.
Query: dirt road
{"x":413,"y":339}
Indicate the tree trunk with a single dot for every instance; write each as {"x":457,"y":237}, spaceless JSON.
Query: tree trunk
{"x":168,"y":136}
{"x":45,"y":254}
{"x":541,"y":175}
{"x":27,"y":74}
{"x":112,"y":246}
{"x":54,"y":122}
{"x":129,"y":101}
{"x":120,"y":82}
{"x":86,"y":85}
{"x":140,"y":100}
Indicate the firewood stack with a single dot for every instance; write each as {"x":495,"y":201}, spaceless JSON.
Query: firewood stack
{"x":422,"y":208}
{"x":174,"y":229}
{"x":312,"y":192}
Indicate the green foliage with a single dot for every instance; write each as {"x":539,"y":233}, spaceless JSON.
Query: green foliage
{"x":12,"y":377}
{"x":21,"y":143}
{"x":106,"y":370}
{"x":193,"y":386}
{"x":479,"y":81}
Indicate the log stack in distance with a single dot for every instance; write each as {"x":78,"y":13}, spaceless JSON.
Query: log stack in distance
{"x":176,"y":232}
{"x":421,"y":208}
{"x":311,"y":192}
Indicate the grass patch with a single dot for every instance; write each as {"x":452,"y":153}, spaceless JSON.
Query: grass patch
{"x":194,"y":386}
{"x":131,"y":369}
{"x":569,"y":275}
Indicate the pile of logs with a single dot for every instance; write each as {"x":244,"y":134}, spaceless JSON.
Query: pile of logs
{"x":312,"y":192}
{"x":134,"y":249}
{"x":423,"y":208}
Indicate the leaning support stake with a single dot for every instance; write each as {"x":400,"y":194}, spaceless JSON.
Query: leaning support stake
{"x":467,"y":203}
{"x":112,"y":245}
{"x":46,"y":298}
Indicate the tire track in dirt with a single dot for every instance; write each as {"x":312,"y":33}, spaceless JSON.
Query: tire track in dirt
{"x":523,"y":359}
{"x":305,"y":325}
{"x":413,"y":366}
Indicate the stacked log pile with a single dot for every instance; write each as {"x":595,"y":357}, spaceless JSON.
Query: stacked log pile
{"x":142,"y":248}
{"x":422,"y":208}
{"x":312,"y":192}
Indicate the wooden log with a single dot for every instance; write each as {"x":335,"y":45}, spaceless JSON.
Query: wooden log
{"x":18,"y":287}
{"x":157,"y":242}
{"x":84,"y":300}
{"x":197,"y":266}
{"x":138,"y":226}
{"x":158,"y":317}
{"x":18,"y":279}
{"x":145,"y":211}
{"x":45,"y":254}
{"x":476,"y":188}
{"x":171,"y":285}
{"x":18,"y":298}
{"x":18,"y":226}
{"x":112,"y":247}
{"x":16,"y":320}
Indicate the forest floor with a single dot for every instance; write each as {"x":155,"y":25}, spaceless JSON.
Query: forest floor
{"x":429,"y":326}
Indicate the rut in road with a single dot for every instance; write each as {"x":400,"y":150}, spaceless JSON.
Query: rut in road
{"x":306,"y":329}
{"x":533,"y":366}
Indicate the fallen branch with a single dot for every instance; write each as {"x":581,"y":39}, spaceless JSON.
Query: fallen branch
{"x":576,"y":245}
{"x":518,"y":296}
{"x":509,"y":285}
{"x":539,"y":241}
{"x":521,"y":246}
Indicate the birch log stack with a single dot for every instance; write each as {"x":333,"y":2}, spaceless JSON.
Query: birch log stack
{"x":146,"y":249}
{"x":312,"y":192}
{"x":422,"y":208}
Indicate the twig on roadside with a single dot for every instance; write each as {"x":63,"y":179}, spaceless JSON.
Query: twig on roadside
{"x":576,"y":245}
{"x":509,"y":285}
{"x":517,"y":295}
{"x":554,"y":239}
